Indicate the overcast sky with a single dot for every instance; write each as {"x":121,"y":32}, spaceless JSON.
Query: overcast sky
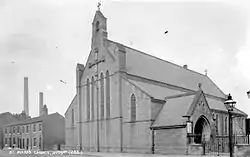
{"x":45,"y":39}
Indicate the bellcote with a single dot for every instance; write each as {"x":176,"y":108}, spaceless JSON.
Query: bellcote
{"x":99,"y":29}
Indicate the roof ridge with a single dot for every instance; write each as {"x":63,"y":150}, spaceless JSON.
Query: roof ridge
{"x":138,"y":87}
{"x":181,"y":95}
{"x":179,"y":66}
{"x":216,"y":86}
{"x":70,"y":104}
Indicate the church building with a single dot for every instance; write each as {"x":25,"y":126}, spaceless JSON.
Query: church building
{"x":124,"y":103}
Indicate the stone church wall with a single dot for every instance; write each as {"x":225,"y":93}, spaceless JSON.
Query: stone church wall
{"x":109,"y":132}
{"x":171,"y":141}
{"x":109,"y":129}
{"x":137,"y":137}
{"x":136,"y":134}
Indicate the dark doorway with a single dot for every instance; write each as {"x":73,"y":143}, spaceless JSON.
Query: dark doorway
{"x":202,"y":130}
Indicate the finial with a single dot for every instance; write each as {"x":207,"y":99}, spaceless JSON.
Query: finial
{"x":206,"y":72}
{"x":98,"y":5}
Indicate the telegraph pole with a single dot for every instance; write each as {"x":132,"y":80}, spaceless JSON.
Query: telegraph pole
{"x":97,"y":104}
{"x":96,"y":62}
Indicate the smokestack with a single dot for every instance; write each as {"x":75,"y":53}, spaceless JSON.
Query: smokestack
{"x":26,"y":96}
{"x":40,"y":103}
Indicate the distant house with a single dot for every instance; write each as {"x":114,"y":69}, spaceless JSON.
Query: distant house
{"x":42,"y":133}
{"x":6,"y":118}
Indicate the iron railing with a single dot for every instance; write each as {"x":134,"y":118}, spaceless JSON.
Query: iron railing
{"x":218,"y":144}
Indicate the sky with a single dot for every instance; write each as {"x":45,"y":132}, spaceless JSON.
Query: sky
{"x":45,"y":39}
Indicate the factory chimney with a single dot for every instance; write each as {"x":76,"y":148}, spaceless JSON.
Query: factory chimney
{"x":40,"y":103}
{"x":26,"y":96}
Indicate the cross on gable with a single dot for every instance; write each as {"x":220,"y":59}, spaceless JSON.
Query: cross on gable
{"x":97,"y":61}
{"x":98,"y":5}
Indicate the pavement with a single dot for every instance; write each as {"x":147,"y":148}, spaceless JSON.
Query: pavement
{"x":102,"y":154}
{"x":95,"y":154}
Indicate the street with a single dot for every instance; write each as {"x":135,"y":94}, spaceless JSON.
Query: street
{"x":42,"y":154}
{"x":94,"y":154}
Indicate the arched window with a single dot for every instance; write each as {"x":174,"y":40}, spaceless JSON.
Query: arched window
{"x":107,"y":95}
{"x":133,"y":107}
{"x":241,"y":123}
{"x":102,"y":95}
{"x":72,"y":118}
{"x":217,"y":119}
{"x":92,"y":97}
{"x":88,"y":100}
{"x":226,"y":125}
{"x":97,"y":26}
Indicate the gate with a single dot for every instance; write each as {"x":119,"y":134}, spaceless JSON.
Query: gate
{"x":218,"y":144}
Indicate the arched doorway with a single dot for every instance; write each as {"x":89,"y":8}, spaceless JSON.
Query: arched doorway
{"x":202,"y":130}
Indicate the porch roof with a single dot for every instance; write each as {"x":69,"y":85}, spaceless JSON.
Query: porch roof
{"x":173,"y":111}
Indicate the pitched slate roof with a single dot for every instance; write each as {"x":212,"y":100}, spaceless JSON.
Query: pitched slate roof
{"x":144,"y":65}
{"x":31,"y":120}
{"x":173,"y":110}
{"x":236,"y":111}
{"x":71,"y":104}
{"x":157,"y":92}
{"x":216,"y":104}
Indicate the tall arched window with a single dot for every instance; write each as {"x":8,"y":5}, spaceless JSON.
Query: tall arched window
{"x":102,"y":95}
{"x":88,"y":100}
{"x":72,"y":118}
{"x":243,"y":123}
{"x":133,"y":107}
{"x":92,"y":97}
{"x":217,"y":119}
{"x":97,"y":26}
{"x":226,"y":125}
{"x":107,"y":95}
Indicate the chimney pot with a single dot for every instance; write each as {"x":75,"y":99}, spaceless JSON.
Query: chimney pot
{"x":185,"y":66}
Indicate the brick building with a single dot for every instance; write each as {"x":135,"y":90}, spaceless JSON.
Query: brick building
{"x":43,"y":132}
{"x":6,"y":118}
{"x":125,"y":103}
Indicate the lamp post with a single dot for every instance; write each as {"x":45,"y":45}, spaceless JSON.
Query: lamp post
{"x":189,"y":131}
{"x":230,"y":102}
{"x":189,"y":127}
